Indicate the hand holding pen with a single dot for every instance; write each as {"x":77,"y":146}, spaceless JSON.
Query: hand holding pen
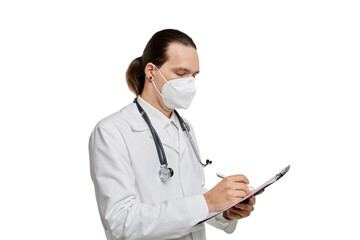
{"x":227,"y":192}
{"x":242,"y":209}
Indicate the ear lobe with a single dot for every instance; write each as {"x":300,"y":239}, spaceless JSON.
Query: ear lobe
{"x":149,"y":70}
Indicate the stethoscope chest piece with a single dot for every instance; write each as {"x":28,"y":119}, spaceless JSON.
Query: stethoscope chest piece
{"x":165,"y":173}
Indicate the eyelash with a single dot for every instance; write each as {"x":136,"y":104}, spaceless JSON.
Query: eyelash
{"x":183,"y":75}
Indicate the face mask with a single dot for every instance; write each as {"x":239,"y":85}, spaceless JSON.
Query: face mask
{"x":177,"y":93}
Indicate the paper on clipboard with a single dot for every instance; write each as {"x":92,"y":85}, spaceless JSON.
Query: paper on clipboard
{"x":263,"y":186}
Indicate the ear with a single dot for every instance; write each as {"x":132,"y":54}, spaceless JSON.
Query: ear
{"x":149,"y":71}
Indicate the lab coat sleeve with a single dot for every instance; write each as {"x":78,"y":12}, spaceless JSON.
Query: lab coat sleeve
{"x":218,"y":221}
{"x":122,"y":215}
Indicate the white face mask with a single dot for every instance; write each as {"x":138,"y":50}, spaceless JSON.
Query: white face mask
{"x":177,"y":93}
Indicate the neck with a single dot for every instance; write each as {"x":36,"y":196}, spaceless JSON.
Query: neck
{"x":156,"y":102}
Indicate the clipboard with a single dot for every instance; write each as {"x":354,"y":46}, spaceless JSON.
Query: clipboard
{"x":256,"y":191}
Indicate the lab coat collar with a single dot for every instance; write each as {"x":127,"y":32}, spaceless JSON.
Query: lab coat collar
{"x":155,"y":115}
{"x":138,"y":124}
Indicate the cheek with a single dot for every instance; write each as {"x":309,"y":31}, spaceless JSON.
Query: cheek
{"x":160,"y":85}
{"x":159,"y":81}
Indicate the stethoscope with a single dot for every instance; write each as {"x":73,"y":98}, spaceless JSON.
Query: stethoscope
{"x":165,"y":173}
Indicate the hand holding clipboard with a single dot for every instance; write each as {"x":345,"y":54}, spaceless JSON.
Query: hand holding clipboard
{"x":253,"y":193}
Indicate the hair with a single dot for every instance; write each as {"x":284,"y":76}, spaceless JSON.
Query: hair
{"x":155,"y":52}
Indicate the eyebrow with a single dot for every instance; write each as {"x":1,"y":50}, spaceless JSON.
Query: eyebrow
{"x":183,"y":69}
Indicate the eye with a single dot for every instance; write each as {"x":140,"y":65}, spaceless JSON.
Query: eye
{"x":180,"y":74}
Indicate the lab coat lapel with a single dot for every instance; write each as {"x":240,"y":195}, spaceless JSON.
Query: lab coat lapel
{"x":138,"y":124}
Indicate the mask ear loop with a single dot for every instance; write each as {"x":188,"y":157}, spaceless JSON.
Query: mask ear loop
{"x":155,"y":84}
{"x":157,"y":89}
{"x":161,"y":73}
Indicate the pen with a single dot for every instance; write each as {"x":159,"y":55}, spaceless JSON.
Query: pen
{"x":220,"y":175}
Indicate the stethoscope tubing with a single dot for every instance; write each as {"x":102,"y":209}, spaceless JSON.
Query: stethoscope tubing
{"x":185,"y":127}
{"x":159,"y":147}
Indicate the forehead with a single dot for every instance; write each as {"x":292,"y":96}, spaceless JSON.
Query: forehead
{"x":182,"y":56}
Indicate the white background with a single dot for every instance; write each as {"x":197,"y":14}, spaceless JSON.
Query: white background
{"x":279,"y":84}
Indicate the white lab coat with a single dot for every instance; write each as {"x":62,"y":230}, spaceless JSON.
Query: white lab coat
{"x":133,"y":202}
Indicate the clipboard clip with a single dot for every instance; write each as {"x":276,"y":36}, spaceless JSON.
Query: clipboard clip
{"x":282,"y":172}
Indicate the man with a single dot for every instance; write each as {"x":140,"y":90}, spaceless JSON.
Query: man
{"x":134,"y":201}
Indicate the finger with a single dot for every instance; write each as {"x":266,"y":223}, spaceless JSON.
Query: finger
{"x":238,"y":178}
{"x":242,"y":186}
{"x":252,"y":200}
{"x":241,"y":213}
{"x":260,"y":192}
{"x":238,"y":190}
{"x":234,"y":215}
{"x":250,"y":191}
{"x":246,"y":207}
{"x":239,"y":194}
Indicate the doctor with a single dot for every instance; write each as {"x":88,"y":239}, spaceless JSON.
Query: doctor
{"x":144,"y":160}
